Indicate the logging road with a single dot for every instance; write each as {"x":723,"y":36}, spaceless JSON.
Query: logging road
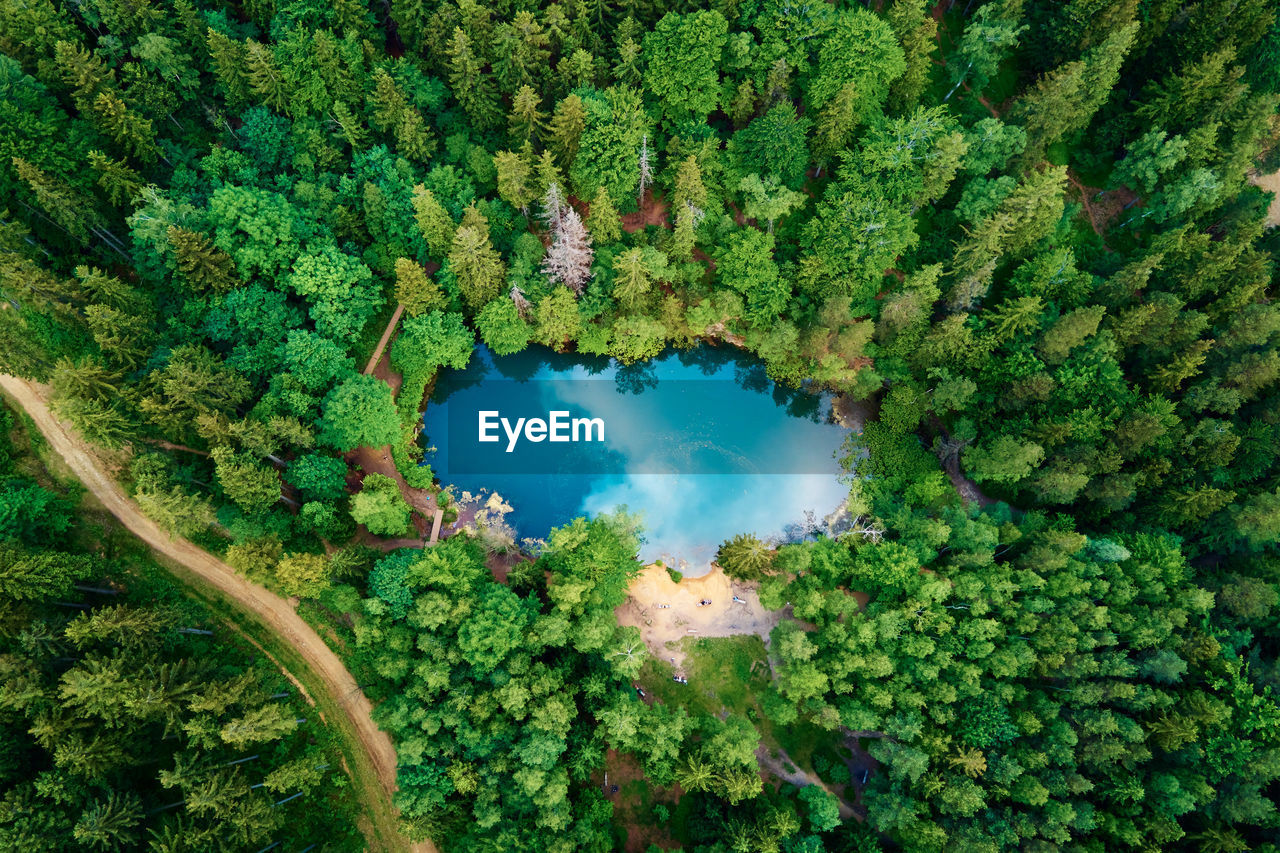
{"x":374,"y":746}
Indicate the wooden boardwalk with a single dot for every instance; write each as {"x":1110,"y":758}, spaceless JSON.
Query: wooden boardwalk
{"x":382,"y":342}
{"x":435,"y":527}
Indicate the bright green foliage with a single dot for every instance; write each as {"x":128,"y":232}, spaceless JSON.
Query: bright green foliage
{"x":602,"y":219}
{"x":430,"y":341}
{"x":773,"y":146}
{"x":502,"y":328}
{"x":202,"y":264}
{"x":860,"y":49}
{"x":31,"y":513}
{"x":823,"y":809}
{"x":359,"y":412}
{"x":474,"y":263}
{"x":745,"y":557}
{"x":608,"y":147}
{"x":415,"y":290}
{"x":250,"y":485}
{"x":379,"y":506}
{"x":318,"y":477}
{"x":339,"y":289}
{"x":747,"y":266}
{"x":304,"y":575}
{"x":138,"y":662}
{"x":682,"y":62}
{"x":1022,"y":233}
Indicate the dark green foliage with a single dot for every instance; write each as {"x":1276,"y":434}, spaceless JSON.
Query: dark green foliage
{"x":1024,"y":229}
{"x":133,"y":714}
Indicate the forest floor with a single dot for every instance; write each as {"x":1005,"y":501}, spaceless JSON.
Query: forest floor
{"x":375,"y":756}
{"x":786,"y":770}
{"x":1270,"y":183}
{"x":663,"y":627}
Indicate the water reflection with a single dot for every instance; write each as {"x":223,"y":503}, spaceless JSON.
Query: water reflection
{"x":699,"y":461}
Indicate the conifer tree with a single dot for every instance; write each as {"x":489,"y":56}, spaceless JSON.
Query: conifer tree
{"x":131,"y":131}
{"x":631,"y":282}
{"x":414,"y":139}
{"x":227,"y":57}
{"x":526,"y":123}
{"x":120,"y":183}
{"x":987,"y":39}
{"x":470,"y":84}
{"x":567,"y":124}
{"x":1065,"y":99}
{"x":689,"y":189}
{"x":415,"y":290}
{"x":474,"y":262}
{"x":204,"y":266}
{"x":433,"y":220}
{"x":351,"y":126}
{"x":742,"y":109}
{"x":514,"y":179}
{"x":66,"y":207}
{"x":602,"y":218}
{"x":568,"y":261}
{"x":917,"y":32}
{"x":264,"y":79}
{"x":645,"y":168}
{"x":835,"y":123}
{"x":386,"y":101}
{"x":84,"y":73}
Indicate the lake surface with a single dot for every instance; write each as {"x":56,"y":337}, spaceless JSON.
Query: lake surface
{"x":700,"y":443}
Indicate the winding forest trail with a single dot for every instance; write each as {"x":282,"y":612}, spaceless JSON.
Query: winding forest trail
{"x":272,"y":610}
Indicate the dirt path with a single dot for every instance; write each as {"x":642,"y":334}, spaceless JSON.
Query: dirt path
{"x":1270,"y":183}
{"x":723,"y":617}
{"x":797,"y":776}
{"x":270,"y":608}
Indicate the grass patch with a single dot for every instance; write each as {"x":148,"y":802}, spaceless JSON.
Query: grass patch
{"x":725,"y":674}
{"x":675,"y":576}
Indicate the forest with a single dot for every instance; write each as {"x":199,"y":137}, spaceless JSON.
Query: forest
{"x":133,"y":719}
{"x":1029,"y":235}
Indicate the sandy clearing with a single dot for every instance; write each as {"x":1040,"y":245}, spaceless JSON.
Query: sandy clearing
{"x":270,"y":608}
{"x":1270,"y":183}
{"x":723,"y":617}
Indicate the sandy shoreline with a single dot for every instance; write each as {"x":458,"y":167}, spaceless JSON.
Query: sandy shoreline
{"x":684,"y":618}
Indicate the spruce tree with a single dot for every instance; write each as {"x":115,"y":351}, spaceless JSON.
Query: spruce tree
{"x":120,"y":183}
{"x":131,"y":131}
{"x":415,"y":290}
{"x":568,"y":261}
{"x":526,"y":123}
{"x":227,"y":57}
{"x":470,"y":84}
{"x":475,"y":263}
{"x":203,"y":265}
{"x":434,"y":223}
{"x":602,"y":218}
{"x":514,"y":179}
{"x":567,"y":124}
{"x":917,"y":31}
{"x":265,"y":80}
{"x":66,"y":207}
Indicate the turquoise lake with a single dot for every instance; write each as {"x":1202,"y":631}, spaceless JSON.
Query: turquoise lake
{"x":700,"y":443}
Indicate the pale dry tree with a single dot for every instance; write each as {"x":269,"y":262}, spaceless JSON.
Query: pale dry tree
{"x":646,"y":168}
{"x":568,"y":261}
{"x":522,"y":302}
{"x":553,"y":205}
